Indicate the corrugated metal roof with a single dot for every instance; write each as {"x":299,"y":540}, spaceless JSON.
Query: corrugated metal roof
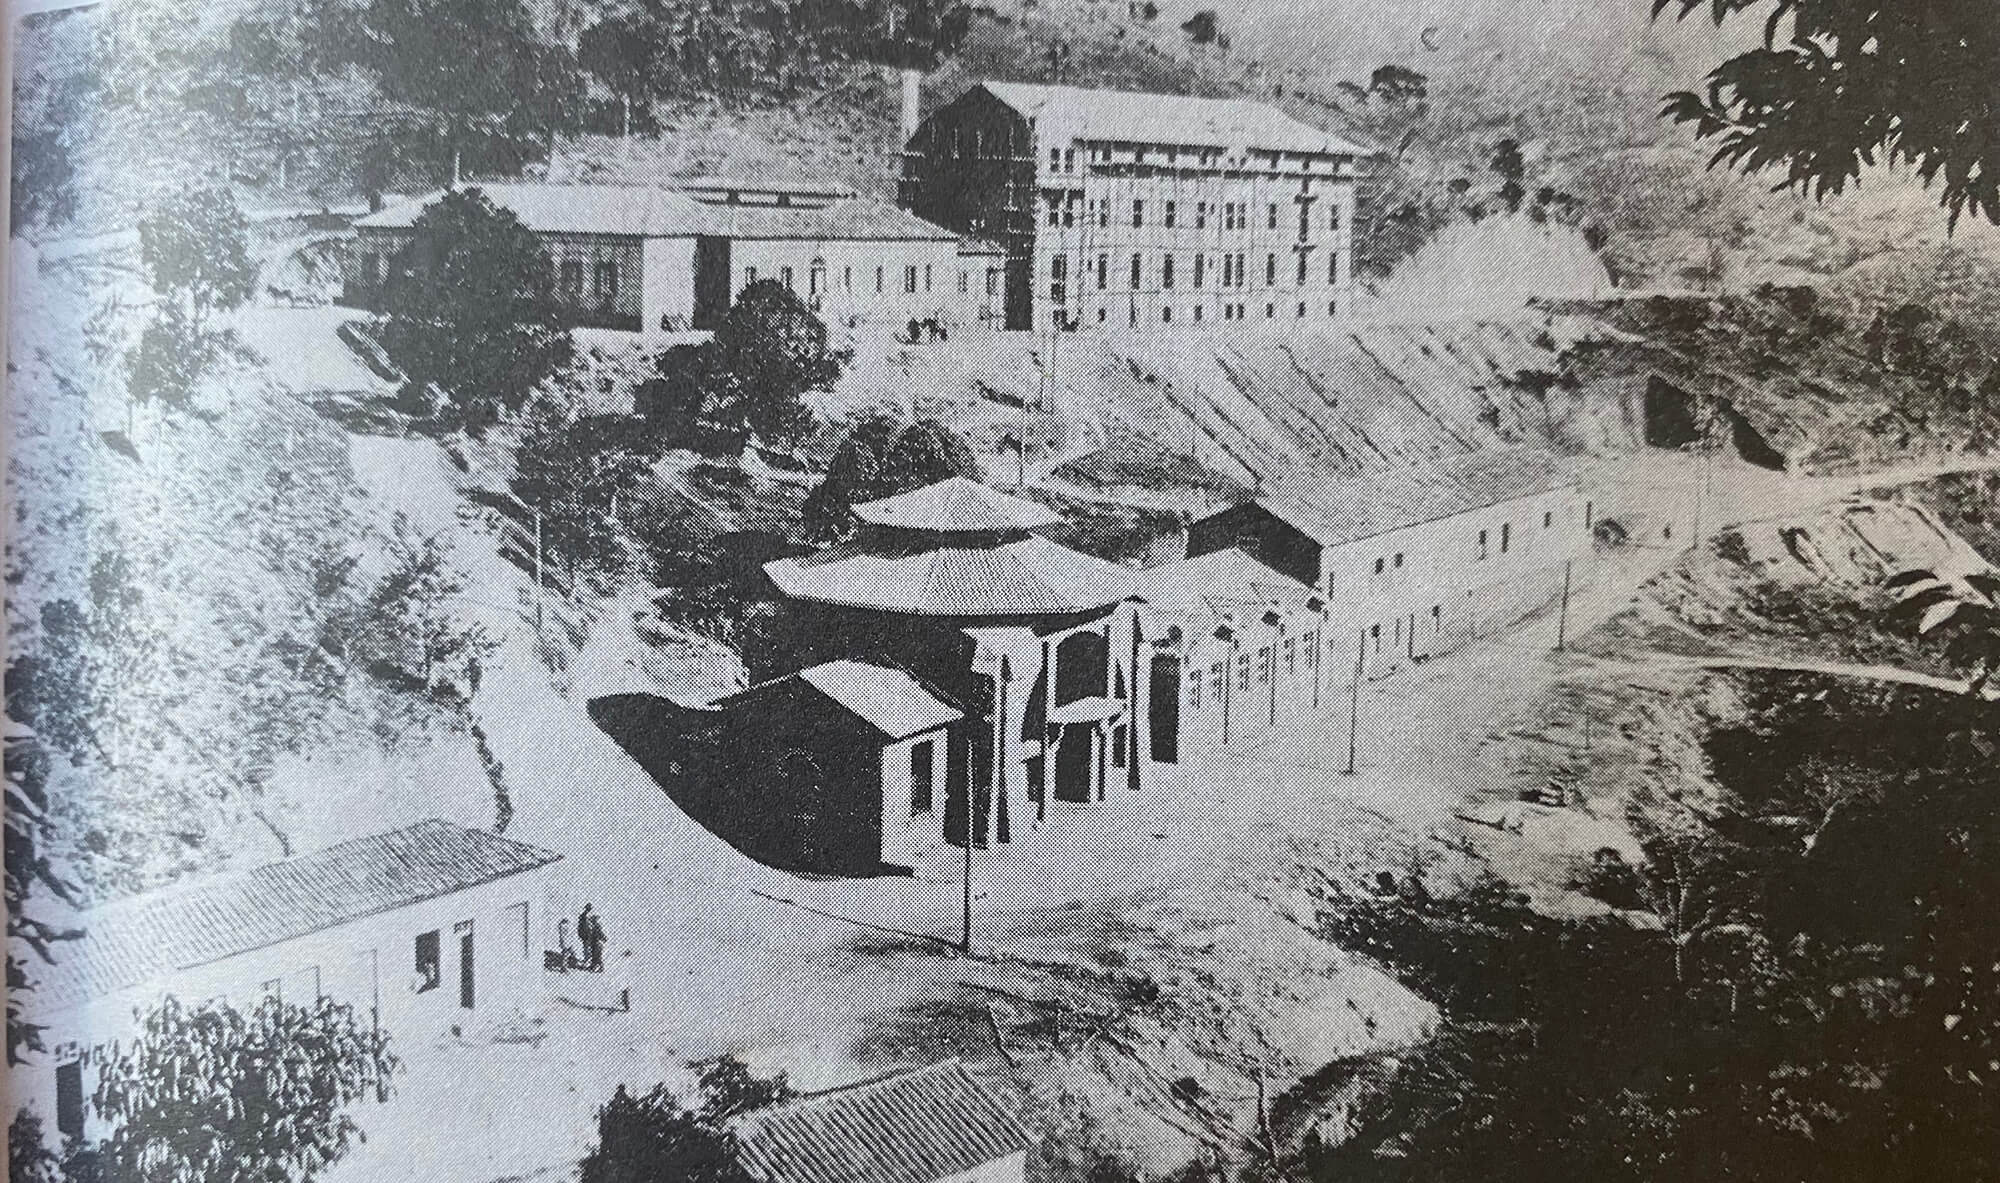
{"x":1072,"y":112}
{"x":1028,"y":577}
{"x":914,"y":1127}
{"x":1332,"y":511}
{"x":1217,"y":581}
{"x":647,"y":212}
{"x":888,"y":700}
{"x":957,"y":505}
{"x":134,"y":941}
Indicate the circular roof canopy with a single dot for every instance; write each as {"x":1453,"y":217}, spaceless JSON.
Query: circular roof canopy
{"x":957,"y":506}
{"x":1026,"y":577}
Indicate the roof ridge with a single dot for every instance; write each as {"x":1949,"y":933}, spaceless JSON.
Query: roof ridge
{"x":804,"y":1100}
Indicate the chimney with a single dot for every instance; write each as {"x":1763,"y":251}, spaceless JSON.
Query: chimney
{"x":912,"y":80}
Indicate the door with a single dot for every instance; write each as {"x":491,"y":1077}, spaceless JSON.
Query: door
{"x":711,"y":281}
{"x":1163,"y":709}
{"x":464,"y":930}
{"x":1074,"y":763}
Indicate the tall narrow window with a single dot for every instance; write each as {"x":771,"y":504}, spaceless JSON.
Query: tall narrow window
{"x":1167,"y":271}
{"x":910,"y":279}
{"x":607,"y":281}
{"x":1103,"y":272}
{"x":430,"y":964}
{"x":1506,"y":533}
{"x":922,"y":765}
{"x":1136,"y":266}
{"x":1138,"y":212}
{"x":69,"y":1099}
{"x":785,"y":277}
{"x":1168,"y":219}
{"x":1333,"y":267}
{"x":1271,"y":270}
{"x":1482,"y":544}
{"x":878,"y":281}
{"x":1271,"y":220}
{"x":1302,"y":269}
{"x":1200,"y":262}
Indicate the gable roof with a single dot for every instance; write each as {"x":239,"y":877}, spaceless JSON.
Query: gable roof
{"x":133,"y":941}
{"x":957,"y":505}
{"x":889,"y":700}
{"x":1073,"y":112}
{"x":1347,"y":509}
{"x":912,"y":1127}
{"x":1216,"y":581}
{"x":642,"y":211}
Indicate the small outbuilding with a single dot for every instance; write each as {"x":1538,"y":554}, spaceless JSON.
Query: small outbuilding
{"x":839,"y":767}
{"x":929,"y":1125}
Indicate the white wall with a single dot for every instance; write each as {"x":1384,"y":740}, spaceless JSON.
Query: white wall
{"x":903,"y":831}
{"x":667,"y":284}
{"x":848,"y":290}
{"x":367,"y":964}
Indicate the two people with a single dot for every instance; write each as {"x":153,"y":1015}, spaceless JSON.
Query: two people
{"x":590,"y":934}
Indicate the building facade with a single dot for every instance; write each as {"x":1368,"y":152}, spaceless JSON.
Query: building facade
{"x":1414,"y":564}
{"x":654,"y":259}
{"x":1122,"y":210}
{"x":420,"y":930}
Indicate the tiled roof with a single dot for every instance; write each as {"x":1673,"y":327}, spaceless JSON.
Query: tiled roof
{"x":1072,"y":112}
{"x":888,"y":700}
{"x":957,"y":505}
{"x":1350,"y":508}
{"x":647,"y":212}
{"x":1028,"y":577}
{"x":1216,"y":582}
{"x":137,"y":940}
{"x":914,"y":1127}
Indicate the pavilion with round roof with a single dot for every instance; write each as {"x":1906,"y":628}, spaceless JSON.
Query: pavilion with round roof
{"x":1036,"y":643}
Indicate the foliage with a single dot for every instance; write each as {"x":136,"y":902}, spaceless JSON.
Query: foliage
{"x":206,"y":1093}
{"x":28,"y":867}
{"x":42,"y":175}
{"x":1837,"y":86}
{"x":658,"y":1138}
{"x":403,"y":630}
{"x":173,"y":355}
{"x":471,"y":317}
{"x":1966,"y":611}
{"x":1398,"y":84}
{"x":748,"y":382}
{"x":575,"y":470}
{"x":195,"y":245}
{"x":881,"y":457}
{"x":29,"y":1159}
{"x":1201,"y":28}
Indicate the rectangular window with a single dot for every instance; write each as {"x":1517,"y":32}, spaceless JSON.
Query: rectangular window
{"x":1215,"y":685}
{"x":1437,"y":619}
{"x":1302,"y":269}
{"x":1333,"y":267}
{"x":1055,"y":209}
{"x":1482,"y":544}
{"x":1312,"y":649}
{"x":1378,"y":566}
{"x":1201,"y":215}
{"x":1548,"y":518}
{"x":1194,"y":689}
{"x":1138,"y":212}
{"x":1271,"y":271}
{"x":572,"y":277}
{"x":1305,"y":213}
{"x":1069,"y":160}
{"x":1506,"y":533}
{"x":1200,"y":262}
{"x":921,"y":768}
{"x":1059,"y":278}
{"x":847,"y":279}
{"x":69,"y":1099}
{"x":607,"y":281}
{"x":1136,"y":265}
{"x":1399,"y":560}
{"x":1333,"y":217}
{"x":1242,"y":671}
{"x":1271,"y":220}
{"x":927,"y":277}
{"x":1168,"y":218}
{"x":910,"y":279}
{"x":964,"y":283}
{"x":1291,"y":654}
{"x":785,"y":277}
{"x":430,"y":964}
{"x":1167,"y":272}
{"x":1264,"y":665}
{"x":878,"y":281}
{"x":1055,"y":160}
{"x":1103,"y":272}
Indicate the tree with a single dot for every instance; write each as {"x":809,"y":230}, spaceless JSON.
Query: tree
{"x":574,"y":471}
{"x":42,"y":174}
{"x":1201,"y":28}
{"x":471,"y":318}
{"x":29,"y":1159}
{"x":1836,"y":86}
{"x":1513,"y":170}
{"x":656,"y":1138}
{"x":626,"y":52}
{"x":195,"y":245}
{"x":1967,"y":609}
{"x":28,"y":830}
{"x":205,"y":1092}
{"x":879,"y":458}
{"x":1398,"y":84}
{"x":748,"y":382}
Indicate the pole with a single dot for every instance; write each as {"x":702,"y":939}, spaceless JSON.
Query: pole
{"x":1354,"y":700}
{"x":538,"y":568}
{"x":965,"y":936}
{"x":1562,"y":620}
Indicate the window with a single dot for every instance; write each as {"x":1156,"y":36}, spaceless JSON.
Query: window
{"x":1333,"y":267}
{"x":1437,"y":619}
{"x":921,"y":768}
{"x":1201,"y":215}
{"x":1168,"y":218}
{"x":1197,"y":313}
{"x":1271,"y":220}
{"x":1506,"y":532}
{"x":1302,"y":310}
{"x":878,"y":281}
{"x":785,"y":277}
{"x":1059,"y":278}
{"x":572,"y":277}
{"x":606,"y":280}
{"x":1136,"y":265}
{"x":1302,"y":269}
{"x":964,"y":282}
{"x":1200,"y":262}
{"x":1378,"y":566}
{"x":1055,"y":208}
{"x":430,"y":964}
{"x":1399,"y":560}
{"x":1375,"y":635}
{"x":1167,"y":272}
{"x":1482,"y":544}
{"x":1291,"y":654}
{"x":1069,"y":160}
{"x":1311,"y":647}
{"x":1271,"y":271}
{"x":1243,"y":671}
{"x":1270,"y":311}
{"x":1138,"y":212}
{"x":1103,"y":272}
{"x":847,"y":279}
{"x":1333,"y":217}
{"x":1548,"y":518}
{"x":1055,"y":160}
{"x":910,"y":279}
{"x":1215,"y":681}
{"x":1167,"y":314}
{"x":1194,"y":689}
{"x":749,"y":275}
{"x":927,"y":277}
{"x":1587,"y":508}
{"x":1264,"y":665}
{"x":69,"y":1099}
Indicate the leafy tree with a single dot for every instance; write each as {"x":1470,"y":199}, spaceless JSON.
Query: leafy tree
{"x":471,"y":318}
{"x":1512,"y":170}
{"x":42,"y":174}
{"x":881,"y":457}
{"x":195,"y":245}
{"x":205,"y":1092}
{"x":28,"y":830}
{"x":575,"y":471}
{"x":910,"y":34}
{"x":1201,"y":28}
{"x":1836,"y":86}
{"x":657,"y":1138}
{"x":405,"y":630}
{"x":627,"y":53}
{"x":749,"y":382}
{"x":29,"y":1159}
{"x":1398,"y":84}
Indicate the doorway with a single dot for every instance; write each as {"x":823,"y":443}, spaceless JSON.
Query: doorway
{"x":464,"y":930}
{"x":1075,"y":759}
{"x":1163,"y":710}
{"x":712,"y":292}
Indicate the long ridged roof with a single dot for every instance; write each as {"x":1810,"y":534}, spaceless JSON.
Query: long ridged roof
{"x":643,"y":211}
{"x":1134,"y":117}
{"x":914,"y":1127}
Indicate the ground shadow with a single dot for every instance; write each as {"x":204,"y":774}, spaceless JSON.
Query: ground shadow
{"x":679,"y":747}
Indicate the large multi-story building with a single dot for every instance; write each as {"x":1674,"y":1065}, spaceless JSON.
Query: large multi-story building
{"x":1142,"y":210}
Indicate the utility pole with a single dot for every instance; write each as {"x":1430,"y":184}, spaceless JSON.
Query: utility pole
{"x":1562,"y":619}
{"x":1354,"y":699}
{"x":965,"y":936}
{"x":539,"y":595}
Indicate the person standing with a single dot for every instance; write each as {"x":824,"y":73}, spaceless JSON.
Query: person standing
{"x":590,"y":934}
